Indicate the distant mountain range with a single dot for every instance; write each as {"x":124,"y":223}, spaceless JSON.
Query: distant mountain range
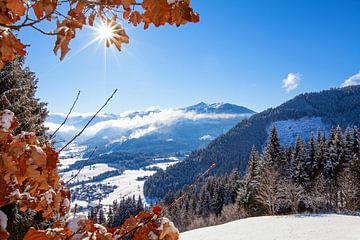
{"x":158,"y":131}
{"x":301,"y":115}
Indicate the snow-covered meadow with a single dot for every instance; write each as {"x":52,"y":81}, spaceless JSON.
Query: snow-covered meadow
{"x":294,"y":227}
{"x":126,"y":184}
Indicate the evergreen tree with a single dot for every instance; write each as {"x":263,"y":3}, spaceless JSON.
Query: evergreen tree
{"x":273,"y":153}
{"x":348,"y":148}
{"x":320,"y":154}
{"x":101,"y":218}
{"x":231,"y":187}
{"x":110,"y":217}
{"x":311,"y":158}
{"x":139,"y":205}
{"x":331,"y":159}
{"x":17,"y":93}
{"x":288,"y":159}
{"x":355,"y":162}
{"x":248,"y":184}
{"x":339,"y":145}
{"x":301,"y":175}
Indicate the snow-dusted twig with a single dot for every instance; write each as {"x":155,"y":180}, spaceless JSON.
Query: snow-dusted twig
{"x":66,"y":118}
{"x":82,"y":166}
{"x":88,"y":123}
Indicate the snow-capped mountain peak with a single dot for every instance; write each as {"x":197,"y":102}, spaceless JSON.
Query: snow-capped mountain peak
{"x":150,"y":129}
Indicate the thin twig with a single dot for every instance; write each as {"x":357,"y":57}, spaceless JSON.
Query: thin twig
{"x":66,"y":118}
{"x":82,"y":166}
{"x":172,"y":204}
{"x":88,"y":123}
{"x":187,"y":190}
{"x":43,"y":32}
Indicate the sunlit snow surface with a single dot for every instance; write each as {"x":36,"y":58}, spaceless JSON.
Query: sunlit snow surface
{"x":299,"y":227}
{"x":288,"y":130}
{"x":87,"y":172}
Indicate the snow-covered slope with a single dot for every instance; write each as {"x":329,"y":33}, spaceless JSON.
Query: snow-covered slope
{"x":299,"y":227}
{"x":289,"y":129}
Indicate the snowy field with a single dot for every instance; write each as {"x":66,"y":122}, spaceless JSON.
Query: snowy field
{"x":87,"y":173}
{"x":127,"y":184}
{"x":298,"y":227}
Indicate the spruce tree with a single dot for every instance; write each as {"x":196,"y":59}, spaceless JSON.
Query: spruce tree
{"x":331,"y":159}
{"x":348,"y":151}
{"x":339,"y":145}
{"x":18,"y":87}
{"x":320,"y":154}
{"x":101,"y":218}
{"x":301,"y":175}
{"x":273,"y":153}
{"x":110,"y":217}
{"x":249,"y":183}
{"x":355,"y":162}
{"x":139,"y":205}
{"x":287,"y":156}
{"x":311,"y":158}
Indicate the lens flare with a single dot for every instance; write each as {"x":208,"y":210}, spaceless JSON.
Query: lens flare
{"x":105,"y":32}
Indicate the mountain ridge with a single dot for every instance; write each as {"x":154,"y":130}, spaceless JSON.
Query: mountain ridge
{"x":339,"y":106}
{"x":157,"y":130}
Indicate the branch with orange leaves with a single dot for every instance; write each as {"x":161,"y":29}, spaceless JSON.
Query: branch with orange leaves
{"x":19,"y":14}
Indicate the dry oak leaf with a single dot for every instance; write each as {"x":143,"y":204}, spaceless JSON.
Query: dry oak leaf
{"x":50,"y":234}
{"x":17,"y":7}
{"x":38,"y":156}
{"x":8,"y":120}
{"x":91,"y":18}
{"x":157,"y":12}
{"x":65,"y":34}
{"x":10,"y":46}
{"x":135,"y":18}
{"x":182,"y":13}
{"x":4,"y":234}
{"x":127,"y":3}
{"x":44,"y":8}
{"x":168,"y":230}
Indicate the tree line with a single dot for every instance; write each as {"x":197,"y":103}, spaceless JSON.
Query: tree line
{"x":319,"y":175}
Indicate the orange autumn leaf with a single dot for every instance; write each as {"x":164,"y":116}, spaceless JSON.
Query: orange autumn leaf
{"x":17,"y":7}
{"x":33,"y":234}
{"x":91,"y":18}
{"x":135,"y":18}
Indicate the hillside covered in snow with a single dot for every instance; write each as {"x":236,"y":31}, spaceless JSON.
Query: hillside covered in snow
{"x":294,"y":227}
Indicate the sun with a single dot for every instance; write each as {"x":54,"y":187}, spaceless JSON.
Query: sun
{"x":105,"y":31}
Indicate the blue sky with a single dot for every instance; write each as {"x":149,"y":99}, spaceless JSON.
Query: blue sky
{"x":240,"y":52}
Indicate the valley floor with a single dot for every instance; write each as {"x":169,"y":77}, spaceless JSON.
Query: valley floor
{"x":294,"y":227}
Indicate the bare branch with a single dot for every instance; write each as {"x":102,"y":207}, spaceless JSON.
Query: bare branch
{"x":67,"y":116}
{"x":43,"y":32}
{"x":88,"y":123}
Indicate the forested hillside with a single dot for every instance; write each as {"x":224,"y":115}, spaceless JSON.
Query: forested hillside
{"x":317,"y":176}
{"x":230,"y":151}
